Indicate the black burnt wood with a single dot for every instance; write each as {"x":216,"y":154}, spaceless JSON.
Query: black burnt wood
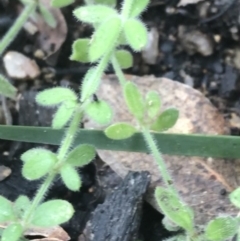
{"x":119,"y":217}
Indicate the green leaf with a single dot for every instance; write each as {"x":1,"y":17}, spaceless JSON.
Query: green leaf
{"x":80,"y":49}
{"x":111,"y":3}
{"x":37,"y":163}
{"x":55,"y":96}
{"x":13,"y":232}
{"x":105,"y":38}
{"x":94,"y":13}
{"x":81,"y":155}
{"x":100,"y":112}
{"x":138,"y":7}
{"x":153,"y":103}
{"x":174,"y":209}
{"x":166,"y":120}
{"x":134,"y":100}
{"x":122,"y":39}
{"x":70,"y":177}
{"x":235,"y":197}
{"x":136,"y":34}
{"x":220,"y":146}
{"x":20,"y":205}
{"x":221,"y":228}
{"x":124,"y":58}
{"x":6,"y":210}
{"x":52,"y":213}
{"x":6,"y":89}
{"x":47,"y":16}
{"x":61,"y":3}
{"x":119,"y":131}
{"x":63,"y":114}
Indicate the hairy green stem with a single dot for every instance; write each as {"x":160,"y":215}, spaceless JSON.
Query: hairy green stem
{"x":64,"y":148}
{"x":95,"y":78}
{"x":127,"y":7}
{"x":38,"y":199}
{"x":147,"y":135}
{"x":153,"y":148}
{"x":70,"y":135}
{"x":118,"y":70}
{"x":67,"y":141}
{"x":14,"y":30}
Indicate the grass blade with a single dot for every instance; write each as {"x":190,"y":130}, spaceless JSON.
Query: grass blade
{"x":172,"y":144}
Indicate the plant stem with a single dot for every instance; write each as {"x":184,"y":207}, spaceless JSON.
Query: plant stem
{"x":147,"y":135}
{"x":118,"y":70}
{"x":38,"y":198}
{"x":70,"y":134}
{"x":158,"y":157}
{"x":95,"y":78}
{"x":14,"y":30}
{"x":67,"y":142}
{"x":127,"y":6}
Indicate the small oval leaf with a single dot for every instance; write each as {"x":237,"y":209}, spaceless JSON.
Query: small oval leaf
{"x":221,"y":228}
{"x":13,"y":232}
{"x":124,"y":58}
{"x":37,"y":163}
{"x":174,"y":209}
{"x":153,"y":103}
{"x":94,"y":13}
{"x":166,"y":120}
{"x":70,"y":177}
{"x":81,"y":155}
{"x":235,"y":197}
{"x":20,"y":205}
{"x":61,"y":3}
{"x":55,"y":96}
{"x":63,"y":114}
{"x":105,"y":38}
{"x":134,"y":100}
{"x":52,"y":213}
{"x":138,"y":7}
{"x":100,"y":112}
{"x":119,"y":131}
{"x":136,"y":34}
{"x":6,"y":210}
{"x":80,"y":49}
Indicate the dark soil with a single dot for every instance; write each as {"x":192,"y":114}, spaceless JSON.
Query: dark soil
{"x":199,"y":44}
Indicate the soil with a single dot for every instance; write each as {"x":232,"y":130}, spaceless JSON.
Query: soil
{"x":198,"y":45}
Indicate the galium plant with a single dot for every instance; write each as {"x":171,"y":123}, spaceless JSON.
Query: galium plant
{"x":112,"y":31}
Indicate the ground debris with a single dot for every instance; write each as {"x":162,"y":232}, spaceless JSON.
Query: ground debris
{"x":118,"y":218}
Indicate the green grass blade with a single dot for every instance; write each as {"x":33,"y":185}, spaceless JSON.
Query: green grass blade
{"x":172,"y":144}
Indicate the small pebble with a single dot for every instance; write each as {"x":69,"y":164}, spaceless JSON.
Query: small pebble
{"x":39,"y":54}
{"x":4,"y":172}
{"x":194,"y":41}
{"x":19,"y":66}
